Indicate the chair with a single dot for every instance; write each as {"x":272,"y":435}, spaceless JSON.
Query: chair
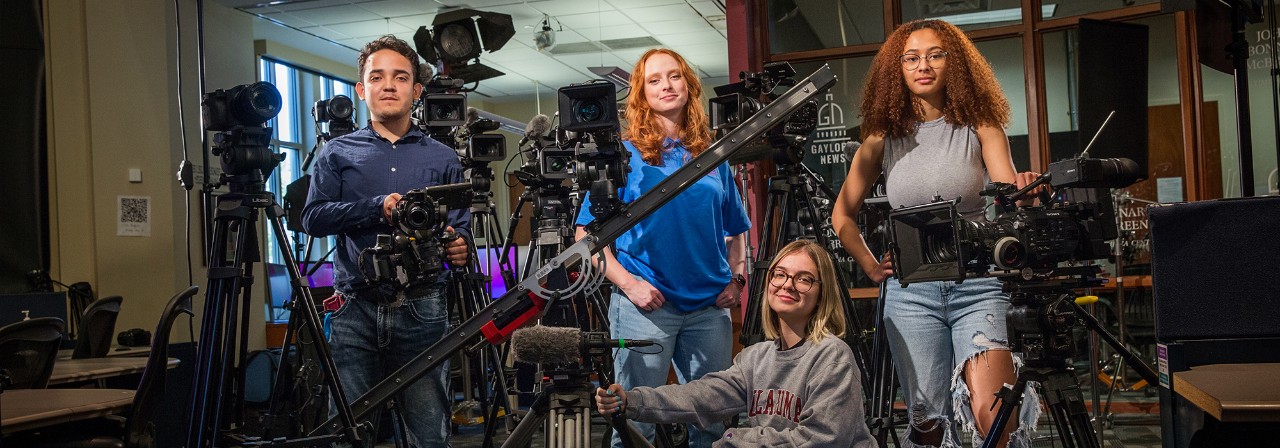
{"x":97,"y":328}
{"x":28,"y":350}
{"x":139,"y":429}
{"x":79,"y":296}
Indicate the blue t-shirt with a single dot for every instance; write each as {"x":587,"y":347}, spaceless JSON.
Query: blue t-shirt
{"x":680,"y":248}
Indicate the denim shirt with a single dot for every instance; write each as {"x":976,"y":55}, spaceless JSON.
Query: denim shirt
{"x":352,"y":176}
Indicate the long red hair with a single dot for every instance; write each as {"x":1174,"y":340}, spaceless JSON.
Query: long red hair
{"x":642,"y":125}
{"x":973,"y":96}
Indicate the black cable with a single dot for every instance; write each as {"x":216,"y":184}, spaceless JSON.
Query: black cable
{"x":182,"y":131}
{"x":1275,"y":84}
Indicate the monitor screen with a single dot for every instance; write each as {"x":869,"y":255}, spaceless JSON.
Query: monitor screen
{"x":323,"y":275}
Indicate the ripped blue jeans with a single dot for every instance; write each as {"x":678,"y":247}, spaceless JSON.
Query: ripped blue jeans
{"x":933,"y":329}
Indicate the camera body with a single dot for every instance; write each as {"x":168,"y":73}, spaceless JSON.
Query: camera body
{"x":338,"y":113}
{"x":737,"y":102}
{"x":441,"y":110}
{"x":242,"y":105}
{"x":932,"y":242}
{"x":413,"y":253}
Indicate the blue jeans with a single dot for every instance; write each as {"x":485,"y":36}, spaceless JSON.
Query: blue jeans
{"x":370,"y":340}
{"x":933,"y":329}
{"x":696,"y":343}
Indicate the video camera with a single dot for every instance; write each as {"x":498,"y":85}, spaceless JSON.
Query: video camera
{"x":238,"y":116}
{"x":337,"y":113}
{"x":736,"y":102}
{"x":413,"y":253}
{"x":931,"y":242}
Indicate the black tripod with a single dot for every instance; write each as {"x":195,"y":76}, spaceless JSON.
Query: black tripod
{"x":794,"y":194}
{"x":246,"y":162}
{"x":883,"y":377}
{"x":1041,"y":319}
{"x":469,"y":289}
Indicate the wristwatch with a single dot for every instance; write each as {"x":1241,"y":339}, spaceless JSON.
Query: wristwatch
{"x":739,"y":280}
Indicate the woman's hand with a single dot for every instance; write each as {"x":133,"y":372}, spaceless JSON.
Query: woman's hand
{"x":883,"y":270}
{"x":611,"y":400}
{"x":1025,"y":178}
{"x":643,"y":294}
{"x":730,"y":297}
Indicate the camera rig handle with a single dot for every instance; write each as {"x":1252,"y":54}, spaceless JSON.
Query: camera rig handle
{"x":518,"y":306}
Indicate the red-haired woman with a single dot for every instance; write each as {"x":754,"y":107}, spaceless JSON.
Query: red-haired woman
{"x":933,"y":117}
{"x":677,"y":273}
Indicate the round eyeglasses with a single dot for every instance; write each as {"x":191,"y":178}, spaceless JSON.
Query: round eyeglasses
{"x":911,"y":62}
{"x":802,"y":282}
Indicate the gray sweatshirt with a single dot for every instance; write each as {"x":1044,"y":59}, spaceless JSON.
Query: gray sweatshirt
{"x":808,"y":396}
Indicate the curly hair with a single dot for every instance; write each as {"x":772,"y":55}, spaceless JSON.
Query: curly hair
{"x":828,"y":316}
{"x":642,"y":126}
{"x":972,"y":95}
{"x":392,"y":43}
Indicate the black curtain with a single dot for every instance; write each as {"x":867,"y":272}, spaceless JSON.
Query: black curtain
{"x":24,"y":238}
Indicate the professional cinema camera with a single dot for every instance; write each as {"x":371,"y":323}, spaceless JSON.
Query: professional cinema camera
{"x":933,"y":242}
{"x":1040,"y":254}
{"x":738,"y":101}
{"x":413,"y":254}
{"x":600,"y":163}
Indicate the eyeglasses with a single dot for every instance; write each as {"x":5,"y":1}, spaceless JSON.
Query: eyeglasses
{"x":912,"y":61}
{"x":802,"y":282}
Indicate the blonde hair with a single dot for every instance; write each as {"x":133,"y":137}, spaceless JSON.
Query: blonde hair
{"x":828,"y":316}
{"x":643,"y":129}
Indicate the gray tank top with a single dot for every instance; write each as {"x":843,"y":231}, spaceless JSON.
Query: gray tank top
{"x":939,"y":159}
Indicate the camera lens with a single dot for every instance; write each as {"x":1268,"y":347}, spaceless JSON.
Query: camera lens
{"x":417,"y":218}
{"x":557,"y":164}
{"x":256,"y":103}
{"x":589,"y":110}
{"x":444,"y":113}
{"x":340,"y":108}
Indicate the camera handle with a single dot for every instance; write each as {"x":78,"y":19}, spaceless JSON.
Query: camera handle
{"x":496,"y":322}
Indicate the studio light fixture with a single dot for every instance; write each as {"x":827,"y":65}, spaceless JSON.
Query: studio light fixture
{"x":457,"y":38}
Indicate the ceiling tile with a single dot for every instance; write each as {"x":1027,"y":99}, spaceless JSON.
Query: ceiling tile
{"x":395,"y":8}
{"x":289,"y":20}
{"x":555,"y":8}
{"x":332,"y":15}
{"x":328,"y":33}
{"x":594,"y":19}
{"x":661,"y":13}
{"x":370,"y":28}
{"x":703,"y":35}
{"x":707,"y":8}
{"x":629,"y":4}
{"x":612,"y":32}
{"x":299,"y":5}
{"x":660,"y":29}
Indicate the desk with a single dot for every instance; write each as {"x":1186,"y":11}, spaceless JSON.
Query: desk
{"x":76,"y":370}
{"x":24,"y":409}
{"x":116,"y":351}
{"x":1233,"y":392}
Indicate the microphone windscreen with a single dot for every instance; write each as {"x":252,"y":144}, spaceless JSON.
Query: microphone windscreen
{"x":538,"y":126}
{"x":851,"y":148}
{"x":546,"y":345}
{"x":425,"y":72}
{"x":472,"y":115}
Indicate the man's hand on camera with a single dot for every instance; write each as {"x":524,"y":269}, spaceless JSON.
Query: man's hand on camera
{"x":388,"y":204}
{"x":455,"y":250}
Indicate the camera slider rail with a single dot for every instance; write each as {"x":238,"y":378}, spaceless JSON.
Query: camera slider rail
{"x":529,"y":299}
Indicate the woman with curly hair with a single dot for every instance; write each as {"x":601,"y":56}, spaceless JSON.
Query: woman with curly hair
{"x":677,"y":273}
{"x":933,"y":117}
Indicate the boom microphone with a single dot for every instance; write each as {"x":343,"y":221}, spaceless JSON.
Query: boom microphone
{"x":562,"y":345}
{"x":536,"y":128}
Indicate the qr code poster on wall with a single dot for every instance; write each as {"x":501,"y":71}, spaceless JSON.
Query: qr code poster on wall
{"x":133,"y":216}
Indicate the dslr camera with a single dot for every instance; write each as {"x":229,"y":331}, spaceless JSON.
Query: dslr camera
{"x":413,"y":253}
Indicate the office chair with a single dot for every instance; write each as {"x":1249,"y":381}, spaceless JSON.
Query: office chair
{"x":139,"y":429}
{"x":28,"y":350}
{"x":79,"y":296}
{"x":97,"y":328}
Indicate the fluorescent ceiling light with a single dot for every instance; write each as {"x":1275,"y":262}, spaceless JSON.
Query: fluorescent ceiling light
{"x":999,"y":15}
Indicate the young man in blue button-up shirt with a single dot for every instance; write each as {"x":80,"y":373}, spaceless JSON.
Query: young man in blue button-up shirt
{"x":357,"y":181}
